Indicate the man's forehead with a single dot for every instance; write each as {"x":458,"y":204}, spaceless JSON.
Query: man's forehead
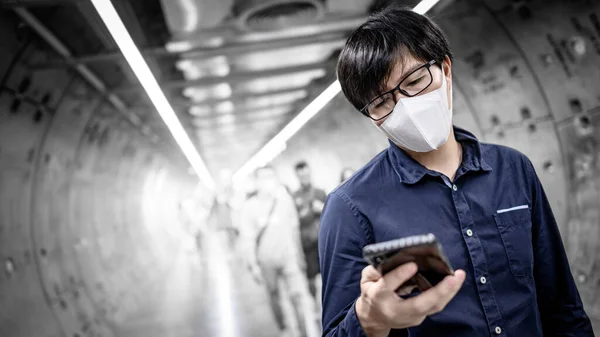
{"x":402,"y":67}
{"x":406,"y":65}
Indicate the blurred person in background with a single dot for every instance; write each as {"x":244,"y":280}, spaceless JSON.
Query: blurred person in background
{"x":192,"y":225}
{"x":195,"y":209}
{"x":225,"y":208}
{"x":309,"y":201}
{"x":271,"y":238}
{"x":347,"y":172}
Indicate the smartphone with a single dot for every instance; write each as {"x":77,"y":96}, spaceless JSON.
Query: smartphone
{"x":424,"y":250}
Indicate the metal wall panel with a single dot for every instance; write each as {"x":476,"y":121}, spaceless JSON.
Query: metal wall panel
{"x":79,"y":252}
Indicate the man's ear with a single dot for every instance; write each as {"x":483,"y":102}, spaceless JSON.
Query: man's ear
{"x":448,"y":74}
{"x":447,"y":67}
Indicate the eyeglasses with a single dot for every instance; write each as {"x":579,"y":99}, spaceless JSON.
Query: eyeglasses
{"x":411,"y":85}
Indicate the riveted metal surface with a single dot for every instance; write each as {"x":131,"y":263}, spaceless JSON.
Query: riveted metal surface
{"x":561,"y":43}
{"x":19,"y":152}
{"x":11,"y":42}
{"x":51,"y":225}
{"x":490,"y":67}
{"x":71,"y":195}
{"x":462,"y":110}
{"x":118,"y":258}
{"x":581,"y":143}
{"x":41,"y":87}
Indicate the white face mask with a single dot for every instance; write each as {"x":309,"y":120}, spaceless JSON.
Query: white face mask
{"x":421,"y":123}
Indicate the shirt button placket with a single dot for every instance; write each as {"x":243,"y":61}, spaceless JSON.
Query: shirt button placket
{"x":476,"y":253}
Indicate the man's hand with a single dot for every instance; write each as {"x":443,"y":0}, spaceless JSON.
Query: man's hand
{"x":380,"y":309}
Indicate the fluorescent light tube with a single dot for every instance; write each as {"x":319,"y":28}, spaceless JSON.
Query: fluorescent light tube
{"x":140,"y":68}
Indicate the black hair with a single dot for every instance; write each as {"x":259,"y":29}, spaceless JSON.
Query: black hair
{"x":374,"y":48}
{"x":301,"y":165}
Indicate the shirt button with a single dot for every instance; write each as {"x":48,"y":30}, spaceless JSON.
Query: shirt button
{"x":483,"y":280}
{"x":469,"y":232}
{"x":498,"y":330}
{"x":454,"y":188}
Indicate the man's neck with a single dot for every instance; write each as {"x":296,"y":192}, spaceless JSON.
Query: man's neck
{"x":446,"y":159}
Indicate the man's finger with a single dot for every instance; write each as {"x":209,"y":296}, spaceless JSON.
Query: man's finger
{"x":435,"y":299}
{"x":405,"y":290}
{"x":398,"y":276}
{"x":370,"y":274}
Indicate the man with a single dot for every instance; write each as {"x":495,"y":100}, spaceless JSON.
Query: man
{"x":271,"y":239}
{"x":484,"y":203}
{"x":309,"y":201}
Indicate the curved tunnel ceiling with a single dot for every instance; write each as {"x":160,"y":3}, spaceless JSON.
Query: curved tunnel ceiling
{"x":89,"y":203}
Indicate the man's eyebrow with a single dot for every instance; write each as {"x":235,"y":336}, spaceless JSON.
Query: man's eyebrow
{"x":407,"y":72}
{"x":396,"y":80}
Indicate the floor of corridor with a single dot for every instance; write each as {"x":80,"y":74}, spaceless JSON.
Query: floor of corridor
{"x":203,"y":296}
{"x":207,"y":293}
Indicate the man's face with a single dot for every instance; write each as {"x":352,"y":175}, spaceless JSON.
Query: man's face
{"x":405,"y":67}
{"x":304,"y":176}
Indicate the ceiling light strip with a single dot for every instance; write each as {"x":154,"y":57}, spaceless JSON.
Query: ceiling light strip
{"x":273,"y":147}
{"x":139,"y":66}
{"x":424,"y":6}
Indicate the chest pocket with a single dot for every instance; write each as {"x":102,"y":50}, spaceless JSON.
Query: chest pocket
{"x":515,"y":230}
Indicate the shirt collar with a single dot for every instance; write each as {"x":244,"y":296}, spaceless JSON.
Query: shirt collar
{"x":410,"y":171}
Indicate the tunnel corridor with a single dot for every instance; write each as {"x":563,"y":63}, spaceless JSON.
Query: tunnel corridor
{"x":92,"y":237}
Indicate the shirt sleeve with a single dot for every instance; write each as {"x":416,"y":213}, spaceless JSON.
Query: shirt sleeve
{"x":341,"y":238}
{"x":560,"y":305}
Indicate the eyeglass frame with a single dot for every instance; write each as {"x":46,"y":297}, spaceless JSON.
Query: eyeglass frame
{"x":426,"y":65}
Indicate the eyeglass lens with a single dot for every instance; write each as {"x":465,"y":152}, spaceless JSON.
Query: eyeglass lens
{"x":412,"y":85}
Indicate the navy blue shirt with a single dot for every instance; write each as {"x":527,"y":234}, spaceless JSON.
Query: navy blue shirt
{"x":494,"y":221}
